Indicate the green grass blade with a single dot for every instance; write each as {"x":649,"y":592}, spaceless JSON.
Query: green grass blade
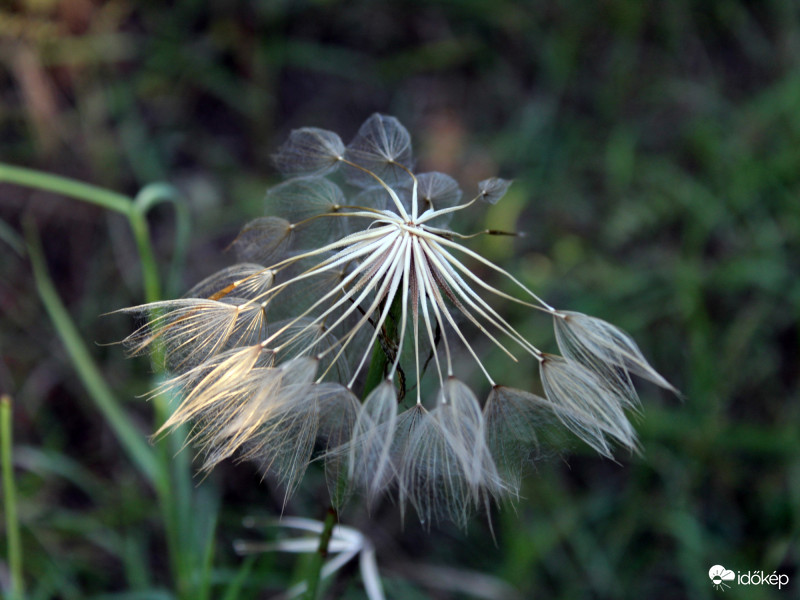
{"x":157,"y":193}
{"x":10,"y":237}
{"x":65,"y":187}
{"x":234,"y":589}
{"x":129,"y":437}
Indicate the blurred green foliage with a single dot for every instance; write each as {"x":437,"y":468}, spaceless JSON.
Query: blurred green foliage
{"x":656,"y":151}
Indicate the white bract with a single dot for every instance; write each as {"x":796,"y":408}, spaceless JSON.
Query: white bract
{"x":347,"y":291}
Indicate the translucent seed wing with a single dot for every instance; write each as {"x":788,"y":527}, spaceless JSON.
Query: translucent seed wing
{"x":370,"y":449}
{"x":521,"y":428}
{"x":381,"y":145}
{"x":511,"y":421}
{"x":338,"y":410}
{"x":244,"y":280}
{"x":432,"y":476}
{"x":264,"y":240}
{"x":462,"y":420}
{"x":187,"y":331}
{"x":313,"y":205}
{"x":309,"y":151}
{"x":605,"y":363}
{"x":492,"y":189}
{"x":437,"y":191}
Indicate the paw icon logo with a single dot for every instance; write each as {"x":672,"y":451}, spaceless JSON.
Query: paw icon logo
{"x":719,"y":575}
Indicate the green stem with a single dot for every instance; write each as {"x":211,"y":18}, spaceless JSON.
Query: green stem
{"x":171,"y":479}
{"x":134,"y":209}
{"x":99,"y":197}
{"x":141,"y":233}
{"x":315,"y":569}
{"x":377,"y":365}
{"x":65,"y":187}
{"x":10,"y":504}
{"x":157,"y":193}
{"x":375,"y":374}
{"x":155,"y":466}
{"x":132,"y":441}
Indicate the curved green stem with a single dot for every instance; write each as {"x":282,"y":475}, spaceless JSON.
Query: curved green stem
{"x":131,"y":440}
{"x":65,"y":187}
{"x":170,"y":478}
{"x":157,"y":193}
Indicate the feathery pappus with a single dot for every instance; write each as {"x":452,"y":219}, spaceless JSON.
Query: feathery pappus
{"x":356,"y":287}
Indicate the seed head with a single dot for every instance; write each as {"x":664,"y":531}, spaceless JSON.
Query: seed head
{"x":357,"y":291}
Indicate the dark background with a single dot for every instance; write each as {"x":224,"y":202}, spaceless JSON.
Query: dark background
{"x":655,"y":147}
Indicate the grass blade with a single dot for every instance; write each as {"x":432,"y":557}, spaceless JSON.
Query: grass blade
{"x":132,"y":441}
{"x":10,"y":502}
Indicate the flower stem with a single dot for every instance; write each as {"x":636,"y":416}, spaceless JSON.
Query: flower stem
{"x":315,"y":569}
{"x":377,"y":366}
{"x":375,"y":374}
{"x":10,"y":503}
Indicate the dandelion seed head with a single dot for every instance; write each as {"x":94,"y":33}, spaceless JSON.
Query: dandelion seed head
{"x":354,"y":287}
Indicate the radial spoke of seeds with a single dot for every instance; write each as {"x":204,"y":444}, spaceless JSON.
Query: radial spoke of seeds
{"x":361,"y":212}
{"x":392,"y":277}
{"x":488,"y":313}
{"x":432,"y":213}
{"x":461,"y":267}
{"x":403,"y":304}
{"x":452,"y":288}
{"x":392,"y":193}
{"x":488,"y":263}
{"x":432,"y":292}
{"x":379,"y":278}
{"x":371,"y":279}
{"x":468,"y":236}
{"x":380,"y":247}
{"x":351,"y":242}
{"x":414,"y":190}
{"x":362,"y":247}
{"x":414,"y":289}
{"x":414,"y":200}
{"x":453,"y":324}
{"x":423,"y":301}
